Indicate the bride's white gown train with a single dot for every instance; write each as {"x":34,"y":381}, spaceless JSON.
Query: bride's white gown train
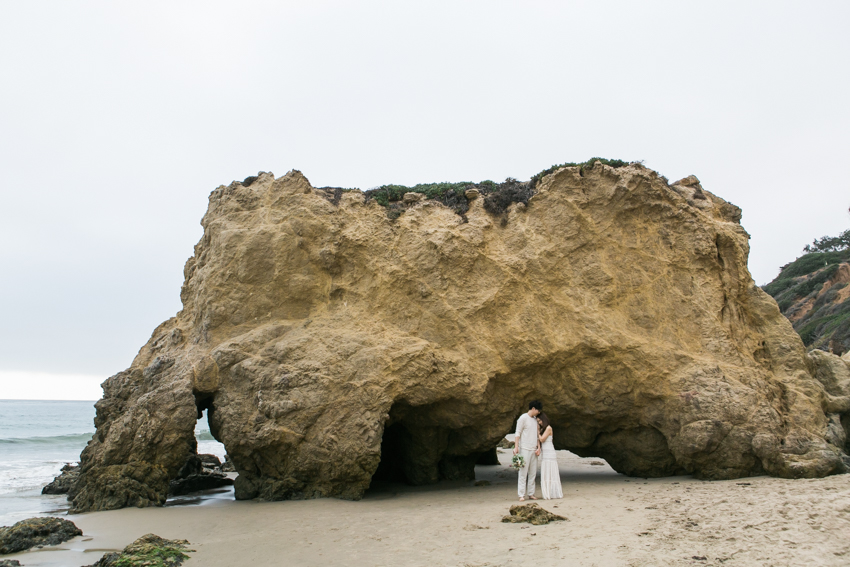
{"x":550,"y":478}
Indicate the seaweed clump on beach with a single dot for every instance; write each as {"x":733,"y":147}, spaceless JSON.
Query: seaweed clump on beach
{"x":531,"y":513}
{"x":149,"y":551}
{"x":36,"y":531}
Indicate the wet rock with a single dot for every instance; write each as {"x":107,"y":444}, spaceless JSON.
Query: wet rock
{"x":65,"y":482}
{"x":197,"y":482}
{"x":9,"y":563}
{"x":331,"y":345}
{"x":532,"y":514}
{"x":210,"y":462}
{"x":36,"y":531}
{"x":149,"y":550}
{"x":227,"y":466}
{"x":506,"y":444}
{"x":200,"y":472}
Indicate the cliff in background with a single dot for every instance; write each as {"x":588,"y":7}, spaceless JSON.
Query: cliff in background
{"x":335,"y":337}
{"x":813,"y":293}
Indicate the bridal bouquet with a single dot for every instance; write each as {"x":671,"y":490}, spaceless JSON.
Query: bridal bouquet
{"x":517,"y":462}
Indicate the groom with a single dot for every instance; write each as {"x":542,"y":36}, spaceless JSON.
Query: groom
{"x":525,"y":443}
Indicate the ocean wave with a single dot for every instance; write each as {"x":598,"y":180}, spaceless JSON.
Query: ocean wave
{"x":204,"y":435}
{"x":27,"y":475}
{"x":200,"y":435}
{"x":49,"y":440}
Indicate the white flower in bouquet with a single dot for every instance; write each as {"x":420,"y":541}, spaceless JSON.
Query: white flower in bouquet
{"x":518,"y":462}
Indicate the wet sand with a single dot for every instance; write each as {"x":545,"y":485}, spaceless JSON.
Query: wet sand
{"x":613,"y":520}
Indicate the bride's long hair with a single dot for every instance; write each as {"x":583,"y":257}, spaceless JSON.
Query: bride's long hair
{"x":544,"y":421}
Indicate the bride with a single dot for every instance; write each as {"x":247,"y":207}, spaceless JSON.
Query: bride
{"x":550,"y":478}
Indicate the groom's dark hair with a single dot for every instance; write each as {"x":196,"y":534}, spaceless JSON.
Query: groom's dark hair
{"x":536,"y":405}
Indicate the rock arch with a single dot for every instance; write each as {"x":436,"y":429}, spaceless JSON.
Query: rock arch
{"x":316,"y":326}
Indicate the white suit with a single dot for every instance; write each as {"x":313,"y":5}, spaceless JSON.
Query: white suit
{"x":526,"y":440}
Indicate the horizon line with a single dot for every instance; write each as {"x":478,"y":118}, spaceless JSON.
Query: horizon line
{"x":42,"y":400}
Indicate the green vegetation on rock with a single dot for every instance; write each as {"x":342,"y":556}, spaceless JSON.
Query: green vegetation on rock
{"x":148,"y":551}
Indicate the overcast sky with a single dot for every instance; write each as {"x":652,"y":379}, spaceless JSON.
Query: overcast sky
{"x":117,"y":119}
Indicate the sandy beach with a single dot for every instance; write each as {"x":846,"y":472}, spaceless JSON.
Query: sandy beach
{"x":613,"y":520}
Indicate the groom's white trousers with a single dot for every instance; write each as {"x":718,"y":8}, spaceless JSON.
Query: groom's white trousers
{"x":528,"y":473}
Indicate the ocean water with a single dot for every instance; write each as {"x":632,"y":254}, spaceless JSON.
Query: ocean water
{"x":37,"y":438}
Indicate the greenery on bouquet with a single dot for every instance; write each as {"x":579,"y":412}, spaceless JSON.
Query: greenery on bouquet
{"x":517,"y":462}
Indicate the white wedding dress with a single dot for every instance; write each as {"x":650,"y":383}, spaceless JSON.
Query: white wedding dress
{"x":550,"y":478}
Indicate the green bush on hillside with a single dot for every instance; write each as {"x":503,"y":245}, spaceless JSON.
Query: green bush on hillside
{"x":809,"y":263}
{"x":802,"y":280}
{"x":778,"y":285}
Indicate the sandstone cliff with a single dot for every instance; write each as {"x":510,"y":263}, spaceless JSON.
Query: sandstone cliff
{"x":332,"y":344}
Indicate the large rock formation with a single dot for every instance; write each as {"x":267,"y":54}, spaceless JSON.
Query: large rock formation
{"x":331,"y":344}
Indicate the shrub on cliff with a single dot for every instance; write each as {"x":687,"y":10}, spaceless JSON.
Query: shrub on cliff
{"x":497,"y":196}
{"x":588,"y":163}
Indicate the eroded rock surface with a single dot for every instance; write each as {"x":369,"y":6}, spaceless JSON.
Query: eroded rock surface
{"x":314,"y":328}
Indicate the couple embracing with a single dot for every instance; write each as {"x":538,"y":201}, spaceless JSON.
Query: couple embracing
{"x":533,"y":440}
